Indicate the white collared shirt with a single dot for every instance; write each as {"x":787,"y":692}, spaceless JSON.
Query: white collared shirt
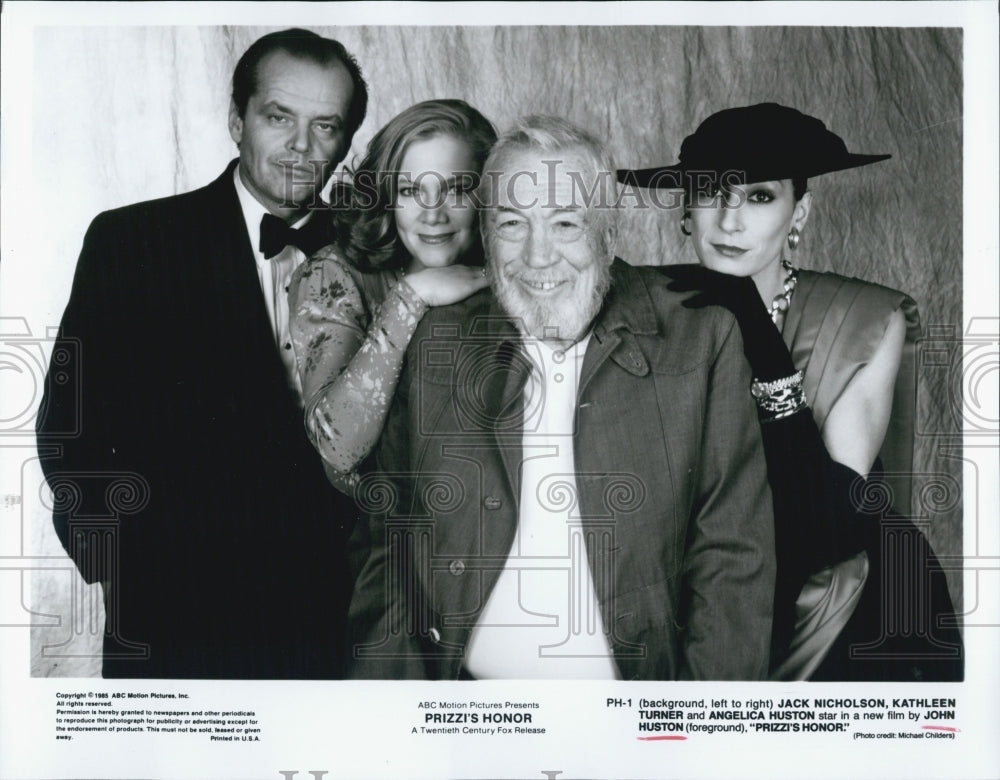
{"x":542,"y":619}
{"x":274,"y":276}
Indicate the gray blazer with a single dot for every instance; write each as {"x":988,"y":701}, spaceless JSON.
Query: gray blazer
{"x":670,"y":474}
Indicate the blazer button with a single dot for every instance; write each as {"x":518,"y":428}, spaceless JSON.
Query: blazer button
{"x":456,"y":567}
{"x":435,"y":635}
{"x":492,"y":502}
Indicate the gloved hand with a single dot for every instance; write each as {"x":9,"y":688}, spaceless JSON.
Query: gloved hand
{"x":816,"y":522}
{"x":766,"y":352}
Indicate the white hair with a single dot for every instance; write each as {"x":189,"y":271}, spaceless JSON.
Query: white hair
{"x":550,"y":135}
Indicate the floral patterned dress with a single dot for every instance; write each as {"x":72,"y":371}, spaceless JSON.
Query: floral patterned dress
{"x":349,"y":330}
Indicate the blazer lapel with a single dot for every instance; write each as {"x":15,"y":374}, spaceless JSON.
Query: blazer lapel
{"x":617,"y":327}
{"x":601,"y":346}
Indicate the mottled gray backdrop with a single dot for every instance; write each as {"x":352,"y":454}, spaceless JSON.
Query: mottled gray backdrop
{"x":126,"y":114}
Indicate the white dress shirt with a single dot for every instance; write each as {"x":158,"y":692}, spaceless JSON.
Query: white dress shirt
{"x":542,"y":619}
{"x":274,"y":276}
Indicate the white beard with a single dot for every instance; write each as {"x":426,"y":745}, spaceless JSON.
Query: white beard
{"x":564,"y":319}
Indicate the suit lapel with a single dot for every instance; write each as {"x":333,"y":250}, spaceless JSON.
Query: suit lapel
{"x":236,"y":314}
{"x":242,"y":270}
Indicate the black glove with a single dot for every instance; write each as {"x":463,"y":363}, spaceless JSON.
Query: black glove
{"x":817,"y":522}
{"x":766,"y":352}
{"x":817,"y":519}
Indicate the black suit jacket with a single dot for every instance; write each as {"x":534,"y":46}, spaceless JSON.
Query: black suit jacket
{"x":177,"y":455}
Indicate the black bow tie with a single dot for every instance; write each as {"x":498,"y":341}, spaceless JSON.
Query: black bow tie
{"x":276,"y":234}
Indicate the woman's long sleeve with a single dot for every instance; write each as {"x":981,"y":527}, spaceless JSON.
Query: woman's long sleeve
{"x":818,"y":521}
{"x":348,"y":360}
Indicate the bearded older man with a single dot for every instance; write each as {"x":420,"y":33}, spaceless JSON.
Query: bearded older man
{"x":571,"y":482}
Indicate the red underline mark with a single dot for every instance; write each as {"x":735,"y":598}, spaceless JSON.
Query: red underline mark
{"x":657,"y":739}
{"x":941,"y":728}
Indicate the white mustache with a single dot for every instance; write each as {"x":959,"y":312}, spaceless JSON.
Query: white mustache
{"x":540,"y":280}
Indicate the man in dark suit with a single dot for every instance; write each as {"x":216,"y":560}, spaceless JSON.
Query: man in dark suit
{"x":182,"y":477}
{"x":573,"y":482}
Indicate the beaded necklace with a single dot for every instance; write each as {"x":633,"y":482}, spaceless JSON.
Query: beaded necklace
{"x":783,"y":299}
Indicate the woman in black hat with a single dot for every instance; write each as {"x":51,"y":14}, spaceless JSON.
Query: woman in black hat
{"x":846,"y":346}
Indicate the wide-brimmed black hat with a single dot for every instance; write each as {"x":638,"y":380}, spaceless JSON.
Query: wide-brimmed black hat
{"x":764,"y":142}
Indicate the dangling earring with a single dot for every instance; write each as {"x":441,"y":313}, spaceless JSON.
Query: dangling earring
{"x":684,"y":226}
{"x":793,"y":238}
